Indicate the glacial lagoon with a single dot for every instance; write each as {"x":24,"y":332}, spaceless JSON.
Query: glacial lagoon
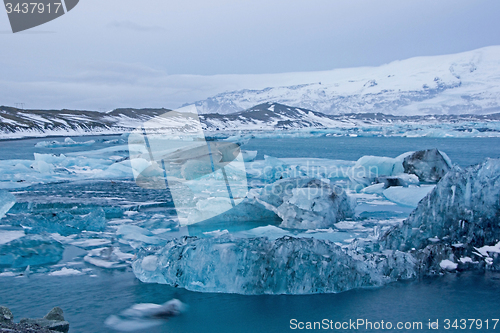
{"x":94,"y":219}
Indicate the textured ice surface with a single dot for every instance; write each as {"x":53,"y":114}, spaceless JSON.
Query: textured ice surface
{"x":464,"y":208}
{"x":62,"y":221}
{"x":287,"y":265}
{"x":429,"y":165}
{"x":368,"y":168}
{"x":306,"y":203}
{"x":407,"y":196}
{"x":30,"y":250}
{"x":249,"y":155}
{"x":7,"y":200}
{"x":315,"y":205}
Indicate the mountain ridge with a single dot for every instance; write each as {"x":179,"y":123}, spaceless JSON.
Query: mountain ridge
{"x":17,"y":123}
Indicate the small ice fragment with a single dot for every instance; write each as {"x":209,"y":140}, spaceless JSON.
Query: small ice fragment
{"x":7,"y":200}
{"x":448,"y":265}
{"x":66,"y":272}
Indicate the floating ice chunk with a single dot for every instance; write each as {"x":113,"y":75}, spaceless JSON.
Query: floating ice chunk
{"x":68,"y":142}
{"x":7,"y":200}
{"x":287,"y":265}
{"x":130,"y":325}
{"x":407,"y":196}
{"x":249,"y":155}
{"x":134,"y":234}
{"x":315,"y":205}
{"x":171,"y":308}
{"x":145,"y":315}
{"x":485,"y":250}
{"x":65,"y":222}
{"x":465,"y":260}
{"x":429,"y":165}
{"x":400,"y":179}
{"x":368,"y":168}
{"x":269,"y":231}
{"x":30,"y":250}
{"x":66,"y":272}
{"x":93,"y":242}
{"x":216,"y":233}
{"x":108,"y":257}
{"x":372,"y":189}
{"x":448,"y":265}
{"x":305,"y":203}
{"x":273,"y":169}
{"x":7,"y":236}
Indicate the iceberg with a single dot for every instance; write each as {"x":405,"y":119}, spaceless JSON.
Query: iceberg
{"x":368,"y":168}
{"x":429,"y":165}
{"x":7,"y":200}
{"x":286,"y":265}
{"x":306,"y":203}
{"x":462,"y":209}
{"x":30,"y":250}
{"x":63,"y":222}
{"x":249,"y":155}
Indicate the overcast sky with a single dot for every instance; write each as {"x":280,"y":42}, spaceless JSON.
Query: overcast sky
{"x":121,"y":53}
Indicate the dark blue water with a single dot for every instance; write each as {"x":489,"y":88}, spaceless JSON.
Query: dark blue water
{"x":462,"y":151}
{"x":88,"y":301}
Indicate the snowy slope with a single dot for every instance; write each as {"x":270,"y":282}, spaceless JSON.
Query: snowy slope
{"x":467,"y":82}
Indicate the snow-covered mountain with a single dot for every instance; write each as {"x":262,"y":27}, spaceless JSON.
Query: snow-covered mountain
{"x":267,"y":117}
{"x":467,"y":82}
{"x":16,"y":122}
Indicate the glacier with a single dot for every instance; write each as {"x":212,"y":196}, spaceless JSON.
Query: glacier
{"x":466,"y":82}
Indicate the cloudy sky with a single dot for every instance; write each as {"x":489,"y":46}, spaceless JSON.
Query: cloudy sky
{"x":106,"y":54}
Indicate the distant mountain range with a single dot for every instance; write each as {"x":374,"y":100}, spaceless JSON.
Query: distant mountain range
{"x":16,"y":123}
{"x":462,"y":83}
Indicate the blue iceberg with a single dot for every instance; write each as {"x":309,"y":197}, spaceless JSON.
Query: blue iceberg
{"x":286,"y":265}
{"x":30,"y":250}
